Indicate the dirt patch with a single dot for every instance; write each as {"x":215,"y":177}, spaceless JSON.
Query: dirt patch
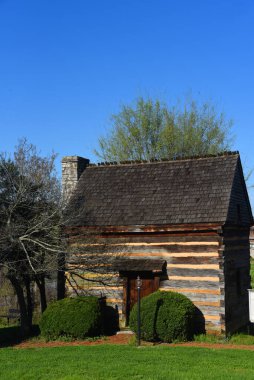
{"x":114,"y":339}
{"x":126,"y":339}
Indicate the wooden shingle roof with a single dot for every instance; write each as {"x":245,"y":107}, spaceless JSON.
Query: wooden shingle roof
{"x":197,"y":190}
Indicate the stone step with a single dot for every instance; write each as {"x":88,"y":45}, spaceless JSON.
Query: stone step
{"x":125,"y":331}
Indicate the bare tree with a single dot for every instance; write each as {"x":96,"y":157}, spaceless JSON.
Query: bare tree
{"x":33,"y":242}
{"x":90,"y":261}
{"x":30,"y":223}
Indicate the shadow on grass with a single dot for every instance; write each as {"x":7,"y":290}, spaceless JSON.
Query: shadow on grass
{"x":10,"y":336}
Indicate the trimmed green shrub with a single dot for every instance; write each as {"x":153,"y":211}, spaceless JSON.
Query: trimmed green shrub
{"x":165,"y":316}
{"x":78,"y":317}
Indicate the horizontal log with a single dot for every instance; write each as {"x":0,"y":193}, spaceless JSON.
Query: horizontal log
{"x":195,"y":266}
{"x":203,"y":297}
{"x":86,"y":288}
{"x":156,"y":243}
{"x":147,"y":239}
{"x":119,"y":303}
{"x":214,"y":324}
{"x":214,"y":328}
{"x":204,"y":227}
{"x":99,"y":293}
{"x":85,"y":285}
{"x":195,"y":278}
{"x":106,"y":288}
{"x":168,"y":255}
{"x":84,"y":258}
{"x":143,"y":237}
{"x":194,"y":260}
{"x":98,"y":275}
{"x":185,"y":272}
{"x":211,"y":310}
{"x":191,"y":290}
{"x":212,"y":317}
{"x":148,"y":247}
{"x":113,"y":300}
{"x":206,"y":303}
{"x":216,"y":331}
{"x":190,"y":284}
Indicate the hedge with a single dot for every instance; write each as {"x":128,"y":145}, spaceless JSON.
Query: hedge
{"x":78,"y":318}
{"x":165,"y":316}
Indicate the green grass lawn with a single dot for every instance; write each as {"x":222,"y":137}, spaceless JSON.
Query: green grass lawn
{"x":125,"y":362}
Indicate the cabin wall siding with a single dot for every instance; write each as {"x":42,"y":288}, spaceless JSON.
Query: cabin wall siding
{"x":194,"y":268}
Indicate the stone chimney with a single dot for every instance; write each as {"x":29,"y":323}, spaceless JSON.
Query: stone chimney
{"x":72,"y":168}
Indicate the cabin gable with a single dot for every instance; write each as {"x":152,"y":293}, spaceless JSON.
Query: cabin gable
{"x":239,"y":209}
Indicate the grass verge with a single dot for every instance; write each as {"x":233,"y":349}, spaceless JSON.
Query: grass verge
{"x":238,"y":339}
{"x":123,"y":362}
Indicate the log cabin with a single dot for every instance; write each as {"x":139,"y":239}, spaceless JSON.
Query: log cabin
{"x":182,"y":225}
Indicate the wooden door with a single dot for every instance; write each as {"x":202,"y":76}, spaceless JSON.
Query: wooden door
{"x":149,"y":285}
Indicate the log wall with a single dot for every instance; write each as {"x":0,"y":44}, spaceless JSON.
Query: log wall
{"x":194,"y":266}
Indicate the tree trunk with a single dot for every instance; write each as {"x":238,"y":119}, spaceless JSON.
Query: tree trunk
{"x":41,"y":286}
{"x":29,"y":301}
{"x":24,"y":320}
{"x":61,"y":276}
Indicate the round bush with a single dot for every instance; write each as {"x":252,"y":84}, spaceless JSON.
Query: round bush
{"x":78,"y":317}
{"x":165,"y":316}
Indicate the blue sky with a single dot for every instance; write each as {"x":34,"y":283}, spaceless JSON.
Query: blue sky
{"x":66,"y":66}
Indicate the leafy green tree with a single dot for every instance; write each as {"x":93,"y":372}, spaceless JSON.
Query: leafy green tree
{"x":152,"y":130}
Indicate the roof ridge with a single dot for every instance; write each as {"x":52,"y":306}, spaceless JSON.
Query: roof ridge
{"x":155,"y":160}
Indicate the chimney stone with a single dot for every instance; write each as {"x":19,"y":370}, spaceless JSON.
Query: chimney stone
{"x":72,"y":168}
